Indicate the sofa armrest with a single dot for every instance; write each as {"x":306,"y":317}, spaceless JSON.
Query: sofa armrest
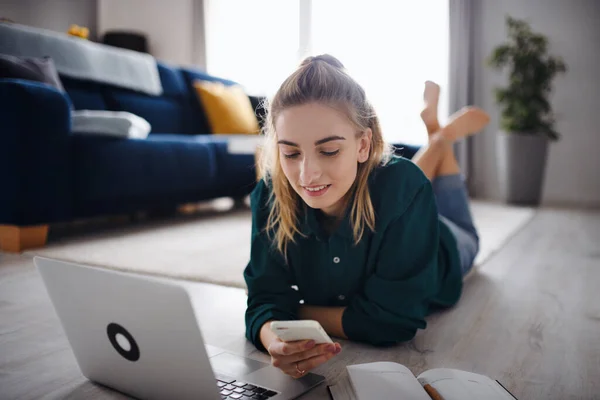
{"x":35,"y":161}
{"x":259,"y":110}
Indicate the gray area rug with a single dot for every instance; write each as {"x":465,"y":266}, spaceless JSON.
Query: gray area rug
{"x":213,"y":245}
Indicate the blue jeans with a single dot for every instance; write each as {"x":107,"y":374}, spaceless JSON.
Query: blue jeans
{"x":453,"y":206}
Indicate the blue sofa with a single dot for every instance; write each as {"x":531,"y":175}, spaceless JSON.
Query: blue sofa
{"x":50,"y":175}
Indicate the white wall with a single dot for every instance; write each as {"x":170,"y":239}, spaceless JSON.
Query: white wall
{"x":173,"y":28}
{"x":573,"y":29}
{"x":56,"y":15}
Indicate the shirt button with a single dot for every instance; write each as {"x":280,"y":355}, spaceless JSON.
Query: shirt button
{"x":336,"y":260}
{"x":341,"y":297}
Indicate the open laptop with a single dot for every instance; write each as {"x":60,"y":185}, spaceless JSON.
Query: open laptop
{"x":139,"y":335}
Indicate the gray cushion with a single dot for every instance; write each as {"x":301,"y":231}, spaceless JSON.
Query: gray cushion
{"x":30,"y":68}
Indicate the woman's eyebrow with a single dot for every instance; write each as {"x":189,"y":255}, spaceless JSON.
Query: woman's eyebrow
{"x":329,"y":139}
{"x":318,"y":142}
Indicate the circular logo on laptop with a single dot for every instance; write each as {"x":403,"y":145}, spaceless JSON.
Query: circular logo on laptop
{"x":123,"y":342}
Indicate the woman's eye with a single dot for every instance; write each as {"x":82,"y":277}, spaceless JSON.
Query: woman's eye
{"x":330,"y":153}
{"x":293,"y":155}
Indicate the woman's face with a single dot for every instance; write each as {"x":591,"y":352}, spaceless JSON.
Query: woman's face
{"x":319,"y":153}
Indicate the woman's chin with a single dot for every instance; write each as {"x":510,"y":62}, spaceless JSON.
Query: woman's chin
{"x":314,"y":203}
{"x":326,"y":205}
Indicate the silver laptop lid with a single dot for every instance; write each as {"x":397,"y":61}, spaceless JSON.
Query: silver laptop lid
{"x":131,"y":333}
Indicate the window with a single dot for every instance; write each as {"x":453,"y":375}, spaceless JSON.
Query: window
{"x":390,"y":48}
{"x":253,"y":42}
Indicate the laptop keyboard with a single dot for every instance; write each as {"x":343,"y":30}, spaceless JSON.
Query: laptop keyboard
{"x":238,"y":390}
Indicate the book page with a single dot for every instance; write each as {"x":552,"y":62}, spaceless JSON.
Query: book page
{"x":453,"y":384}
{"x":385,"y":380}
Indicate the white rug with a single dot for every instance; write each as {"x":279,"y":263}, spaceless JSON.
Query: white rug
{"x":214,"y":246}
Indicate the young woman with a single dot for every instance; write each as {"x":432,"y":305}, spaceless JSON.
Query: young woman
{"x":345,"y":233}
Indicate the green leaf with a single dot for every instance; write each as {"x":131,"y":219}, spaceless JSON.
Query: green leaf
{"x":500,"y":56}
{"x":524,"y":101}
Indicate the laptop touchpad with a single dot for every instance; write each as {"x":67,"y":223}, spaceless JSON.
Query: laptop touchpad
{"x":232,"y":365}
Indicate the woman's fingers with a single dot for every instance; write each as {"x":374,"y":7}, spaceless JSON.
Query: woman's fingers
{"x":278,"y":348}
{"x":297,"y":358}
{"x":281,"y":360}
{"x":311,"y":363}
{"x":316,"y":351}
{"x":300,"y":367}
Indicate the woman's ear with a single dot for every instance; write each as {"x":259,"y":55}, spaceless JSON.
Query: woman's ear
{"x":364,"y":145}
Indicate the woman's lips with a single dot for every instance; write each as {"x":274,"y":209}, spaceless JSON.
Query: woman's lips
{"x":315,"y":191}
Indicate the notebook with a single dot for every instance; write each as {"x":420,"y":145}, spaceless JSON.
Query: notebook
{"x":389,"y":380}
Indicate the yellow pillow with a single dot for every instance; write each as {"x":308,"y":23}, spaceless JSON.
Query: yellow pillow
{"x":228,"y":108}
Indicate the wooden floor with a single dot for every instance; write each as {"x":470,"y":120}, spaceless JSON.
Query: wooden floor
{"x":529,"y":317}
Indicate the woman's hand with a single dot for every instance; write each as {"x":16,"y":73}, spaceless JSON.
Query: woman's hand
{"x":298,"y":358}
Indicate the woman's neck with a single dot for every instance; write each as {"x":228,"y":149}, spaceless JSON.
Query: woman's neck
{"x":338,"y":210}
{"x":330,"y":219}
{"x":329,"y":222}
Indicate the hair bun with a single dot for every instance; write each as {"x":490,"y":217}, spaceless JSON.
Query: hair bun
{"x":326,"y":58}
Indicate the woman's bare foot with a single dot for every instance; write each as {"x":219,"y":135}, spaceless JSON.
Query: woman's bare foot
{"x":467,"y":121}
{"x":429,"y":115}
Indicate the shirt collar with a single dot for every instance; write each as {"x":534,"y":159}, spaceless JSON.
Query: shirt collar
{"x":310,"y":224}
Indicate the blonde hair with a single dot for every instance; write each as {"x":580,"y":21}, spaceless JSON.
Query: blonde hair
{"x":322,"y":79}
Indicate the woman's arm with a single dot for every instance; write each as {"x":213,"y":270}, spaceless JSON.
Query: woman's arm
{"x":394,"y":300}
{"x":330,"y":318}
{"x":266,"y":335}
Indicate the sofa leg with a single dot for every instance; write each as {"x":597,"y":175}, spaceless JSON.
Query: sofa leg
{"x":18,"y":238}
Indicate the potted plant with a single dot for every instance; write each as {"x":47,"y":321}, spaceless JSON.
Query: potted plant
{"x":527,"y":121}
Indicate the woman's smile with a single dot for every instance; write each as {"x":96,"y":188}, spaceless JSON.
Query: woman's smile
{"x":315,"y":191}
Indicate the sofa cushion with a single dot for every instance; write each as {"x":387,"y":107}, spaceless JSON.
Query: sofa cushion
{"x":165,"y":114}
{"x":85,"y":95}
{"x":172,"y":81}
{"x":30,"y":68}
{"x":175,"y":86}
{"x":228,"y":108}
{"x":116,"y":175}
{"x":236,"y":172}
{"x":172,"y":112}
{"x":200,"y":122}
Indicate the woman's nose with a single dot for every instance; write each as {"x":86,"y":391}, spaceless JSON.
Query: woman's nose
{"x":310,"y":171}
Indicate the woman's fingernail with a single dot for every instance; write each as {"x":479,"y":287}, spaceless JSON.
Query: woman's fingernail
{"x":331,"y":348}
{"x":338,"y":350}
{"x":310,"y":344}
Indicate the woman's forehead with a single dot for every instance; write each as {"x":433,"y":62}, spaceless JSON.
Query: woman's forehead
{"x":311,"y":122}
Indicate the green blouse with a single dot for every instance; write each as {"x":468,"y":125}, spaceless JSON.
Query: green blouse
{"x":389,"y":282}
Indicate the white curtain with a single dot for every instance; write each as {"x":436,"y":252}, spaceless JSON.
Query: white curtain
{"x":461,"y":74}
{"x":390,"y":47}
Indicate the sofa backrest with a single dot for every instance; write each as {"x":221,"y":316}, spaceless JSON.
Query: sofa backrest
{"x":177,"y":110}
{"x":170,"y":112}
{"x":85,"y":95}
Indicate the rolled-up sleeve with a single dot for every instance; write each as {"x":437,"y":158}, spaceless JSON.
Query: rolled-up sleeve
{"x":268,"y":278}
{"x":394,"y":301}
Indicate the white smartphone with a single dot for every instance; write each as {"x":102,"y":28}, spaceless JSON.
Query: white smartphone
{"x":289,"y":331}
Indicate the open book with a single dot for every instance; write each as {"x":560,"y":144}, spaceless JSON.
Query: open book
{"x":389,"y":380}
